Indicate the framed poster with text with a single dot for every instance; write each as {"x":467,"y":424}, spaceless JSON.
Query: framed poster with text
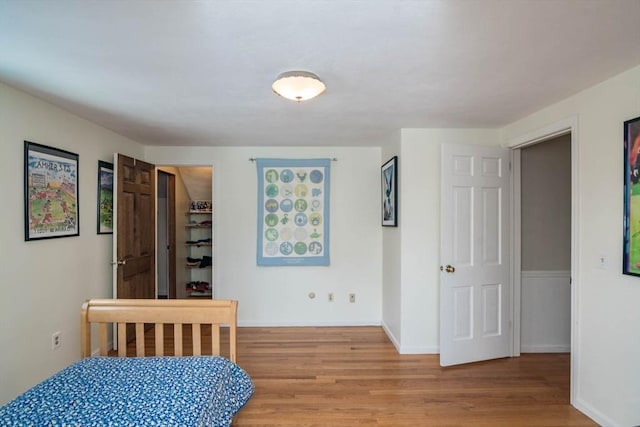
{"x":50,"y":192}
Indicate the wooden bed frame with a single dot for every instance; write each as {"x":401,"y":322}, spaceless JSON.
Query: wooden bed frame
{"x":121,"y":312}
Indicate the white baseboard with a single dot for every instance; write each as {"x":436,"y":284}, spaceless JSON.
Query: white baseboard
{"x":392,"y":337}
{"x":545,"y":349}
{"x":594,"y":414}
{"x":408,"y":349}
{"x":259,"y":324}
{"x":419,"y":350}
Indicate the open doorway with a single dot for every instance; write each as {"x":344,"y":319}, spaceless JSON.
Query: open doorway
{"x":192,"y":228}
{"x":545,"y":237}
{"x":166,"y":235}
{"x":569,"y":129}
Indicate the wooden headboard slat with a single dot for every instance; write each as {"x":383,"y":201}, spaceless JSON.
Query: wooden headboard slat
{"x":177,"y":339}
{"x":122,"y":339}
{"x":195,"y":337}
{"x":104,"y":339}
{"x":215,"y":339}
{"x":159,"y":330}
{"x":159,"y":313}
{"x":233,"y":336}
{"x":140,"y":339}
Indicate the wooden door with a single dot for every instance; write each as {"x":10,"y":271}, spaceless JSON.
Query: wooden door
{"x":135,"y":228}
{"x":475,"y":286}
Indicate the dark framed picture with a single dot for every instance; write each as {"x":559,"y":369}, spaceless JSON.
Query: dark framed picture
{"x":51,"y":206}
{"x":389,"y":174}
{"x":631,"y":221}
{"x":105,"y":197}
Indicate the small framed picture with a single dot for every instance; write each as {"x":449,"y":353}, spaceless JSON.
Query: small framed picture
{"x":389,"y":175}
{"x":105,"y":197}
{"x":51,"y":207}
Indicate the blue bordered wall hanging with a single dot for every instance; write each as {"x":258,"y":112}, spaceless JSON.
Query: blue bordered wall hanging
{"x":293,"y":211}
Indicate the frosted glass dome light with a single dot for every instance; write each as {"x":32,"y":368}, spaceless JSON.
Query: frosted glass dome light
{"x":298,"y":85}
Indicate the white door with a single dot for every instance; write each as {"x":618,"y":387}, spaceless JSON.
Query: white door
{"x":475,"y":288}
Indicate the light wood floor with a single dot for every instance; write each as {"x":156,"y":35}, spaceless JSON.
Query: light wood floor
{"x":353,"y":376}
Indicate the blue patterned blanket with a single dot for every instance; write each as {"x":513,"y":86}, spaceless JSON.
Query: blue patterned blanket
{"x":145,"y":391}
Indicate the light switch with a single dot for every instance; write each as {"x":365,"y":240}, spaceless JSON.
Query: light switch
{"x":602,"y":262}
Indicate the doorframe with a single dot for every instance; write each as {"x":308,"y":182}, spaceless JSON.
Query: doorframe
{"x":170,"y":208}
{"x":186,"y":164}
{"x":171,"y":200}
{"x":559,"y":128}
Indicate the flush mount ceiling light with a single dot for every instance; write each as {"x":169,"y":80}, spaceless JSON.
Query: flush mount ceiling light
{"x":298,"y":85}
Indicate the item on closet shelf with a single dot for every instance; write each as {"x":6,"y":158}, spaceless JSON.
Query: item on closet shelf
{"x":197,"y":285}
{"x":202,"y":242}
{"x":193,"y":262}
{"x":201,"y":206}
{"x":206,"y":261}
{"x":203,"y":262}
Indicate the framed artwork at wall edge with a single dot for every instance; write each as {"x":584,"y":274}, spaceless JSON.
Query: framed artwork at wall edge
{"x":51,"y":207}
{"x":105,"y":198}
{"x":631,"y":220}
{"x":389,"y":181}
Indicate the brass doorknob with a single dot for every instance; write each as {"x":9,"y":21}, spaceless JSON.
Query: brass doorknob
{"x":448,"y":268}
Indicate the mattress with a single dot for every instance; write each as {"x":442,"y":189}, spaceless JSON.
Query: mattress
{"x":145,"y":391}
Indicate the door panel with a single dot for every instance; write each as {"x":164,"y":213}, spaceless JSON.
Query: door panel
{"x":462,"y":206}
{"x":474,"y":287}
{"x":463,"y":310}
{"x":491,"y":301}
{"x":491,"y":226}
{"x":135,"y":228}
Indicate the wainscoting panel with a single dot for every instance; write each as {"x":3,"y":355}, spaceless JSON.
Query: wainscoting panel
{"x":546,"y":312}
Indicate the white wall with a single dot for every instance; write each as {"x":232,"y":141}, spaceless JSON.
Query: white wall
{"x":607,"y":318}
{"x":279,"y":295}
{"x":546,"y":311}
{"x":420,"y":230}
{"x":546,"y":205}
{"x":391,"y":258}
{"x":43,"y":283}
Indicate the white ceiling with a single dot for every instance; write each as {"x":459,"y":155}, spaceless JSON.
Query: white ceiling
{"x":200,"y":72}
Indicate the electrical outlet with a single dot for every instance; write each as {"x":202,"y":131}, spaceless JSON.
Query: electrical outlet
{"x":352,"y":297}
{"x":56,"y":340}
{"x":330,"y":297}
